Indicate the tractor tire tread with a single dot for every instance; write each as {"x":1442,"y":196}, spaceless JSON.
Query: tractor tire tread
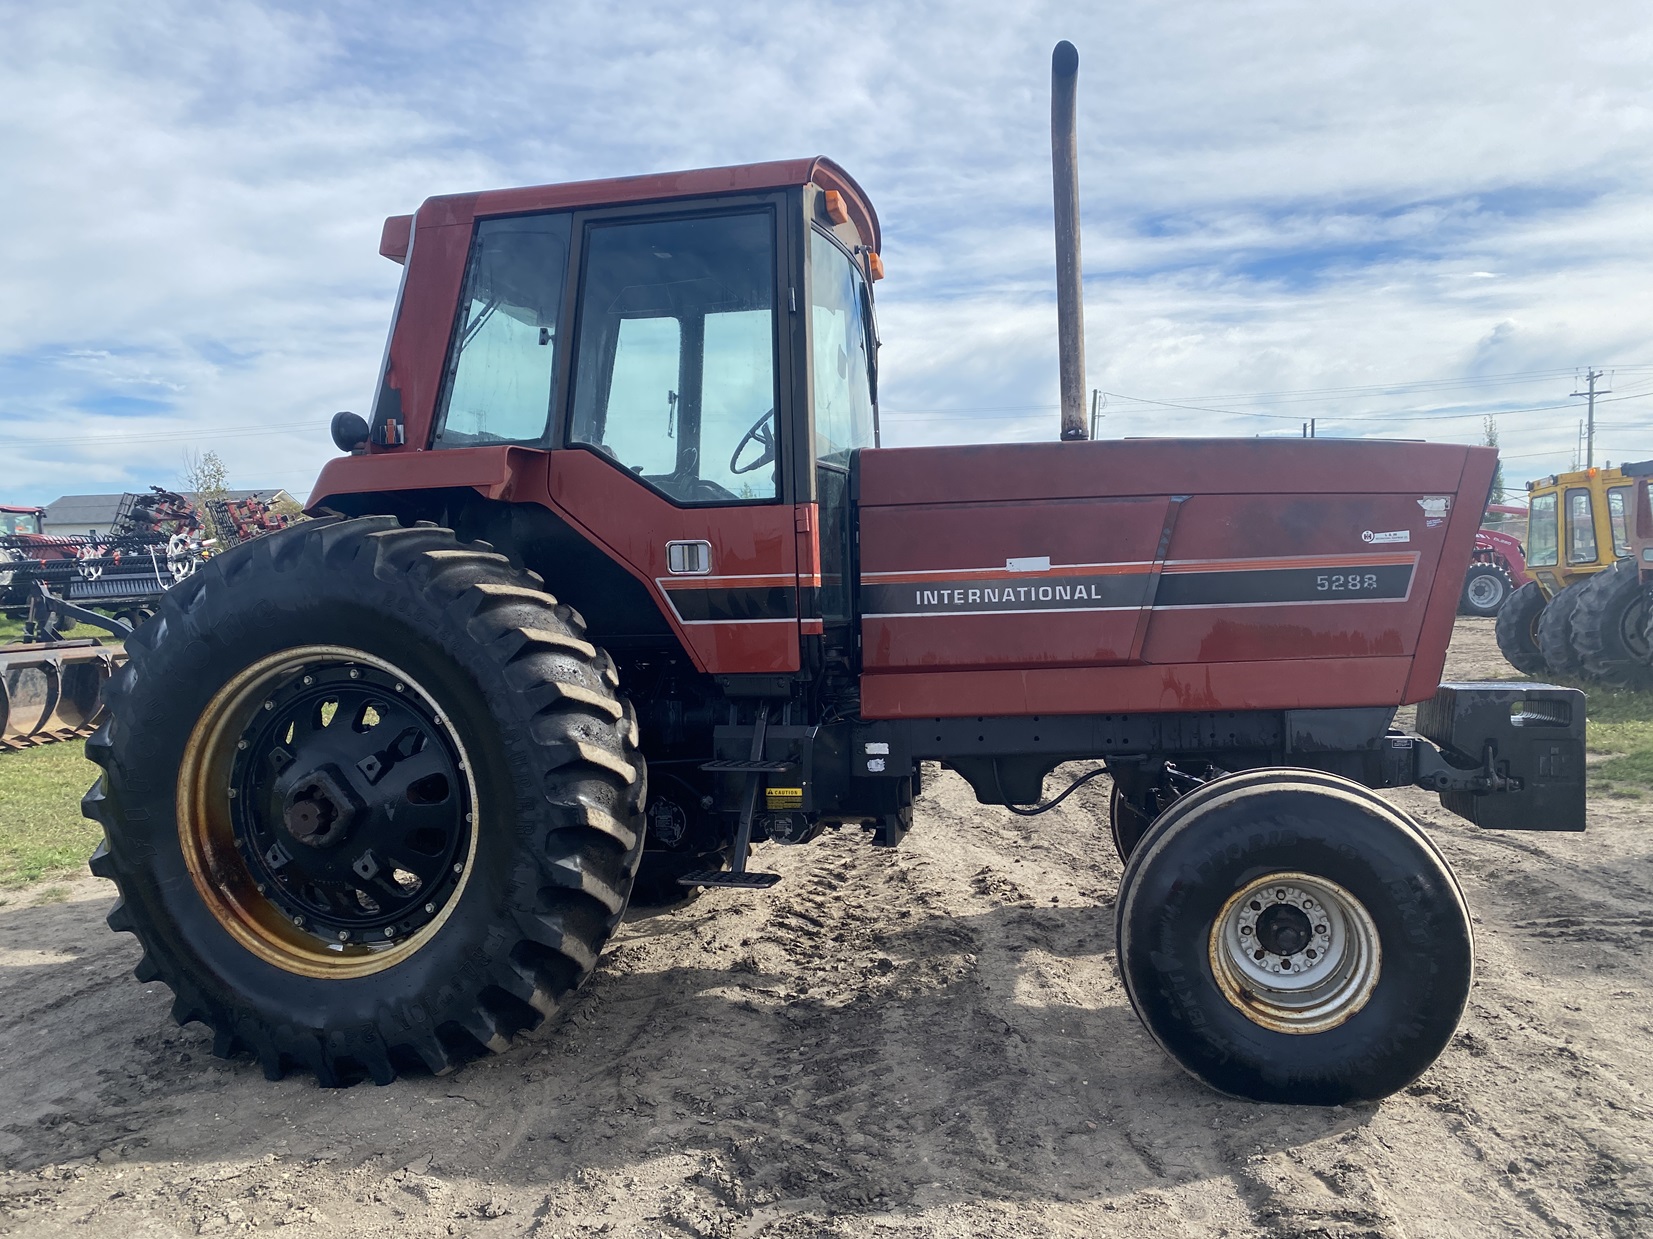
{"x":1609,"y":628}
{"x":579,"y":835}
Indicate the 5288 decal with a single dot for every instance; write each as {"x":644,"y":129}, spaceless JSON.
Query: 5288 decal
{"x":1346,"y":582}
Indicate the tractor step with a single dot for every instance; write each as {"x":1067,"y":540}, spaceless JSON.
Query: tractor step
{"x":722,"y":877}
{"x":742,"y":766}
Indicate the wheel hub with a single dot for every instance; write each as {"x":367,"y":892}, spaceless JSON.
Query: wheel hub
{"x":327,"y":811}
{"x":318,"y":812}
{"x":1295,"y":953}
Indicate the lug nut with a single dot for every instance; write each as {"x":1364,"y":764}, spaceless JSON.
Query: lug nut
{"x":344,"y":935}
{"x":354,"y":674}
{"x":299,"y":921}
{"x":399,"y":688}
{"x":429,"y":908}
{"x":1245,"y":931}
{"x":242,"y":745}
{"x":459,"y":868}
{"x":233,"y":793}
{"x":390,"y":931}
{"x":309,"y":680}
{"x":269,"y":705}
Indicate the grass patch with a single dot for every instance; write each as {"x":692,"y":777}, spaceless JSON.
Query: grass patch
{"x":11,"y":629}
{"x":1621,"y":728}
{"x":42,"y":833}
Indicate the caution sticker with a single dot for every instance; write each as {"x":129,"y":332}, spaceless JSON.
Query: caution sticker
{"x":783,"y":797}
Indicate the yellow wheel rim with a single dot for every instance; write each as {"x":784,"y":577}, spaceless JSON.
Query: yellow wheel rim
{"x":232,"y":878}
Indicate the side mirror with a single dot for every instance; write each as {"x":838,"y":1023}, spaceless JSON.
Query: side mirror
{"x":349,"y":432}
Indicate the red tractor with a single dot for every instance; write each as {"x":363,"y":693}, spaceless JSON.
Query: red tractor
{"x":616,"y":584}
{"x":1497,"y":566}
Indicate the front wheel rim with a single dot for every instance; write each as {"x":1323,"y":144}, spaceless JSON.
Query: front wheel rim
{"x":1295,"y":953}
{"x":1484,"y":591}
{"x":262,"y":850}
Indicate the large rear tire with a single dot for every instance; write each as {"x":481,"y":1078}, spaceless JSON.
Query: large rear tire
{"x":1555,"y":633}
{"x":1610,"y":628}
{"x":1487,"y":588}
{"x":1287,"y":936}
{"x":407,"y":807}
{"x":1517,"y":629}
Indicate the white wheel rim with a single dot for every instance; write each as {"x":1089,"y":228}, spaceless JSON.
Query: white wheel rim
{"x":1485,"y":590}
{"x":1295,"y":953}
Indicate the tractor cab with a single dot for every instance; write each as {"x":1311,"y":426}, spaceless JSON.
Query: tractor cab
{"x":675,"y":370}
{"x":1577,"y":525}
{"x":15,"y":521}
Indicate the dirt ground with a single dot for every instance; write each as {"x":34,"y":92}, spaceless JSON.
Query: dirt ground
{"x":931,"y":1041}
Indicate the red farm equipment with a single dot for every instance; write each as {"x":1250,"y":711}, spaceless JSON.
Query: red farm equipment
{"x":616,"y":583}
{"x":1497,"y":566}
{"x":51,"y":687}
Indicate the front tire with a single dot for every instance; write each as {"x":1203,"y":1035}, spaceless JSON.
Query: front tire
{"x":1363,"y":954}
{"x":1555,"y":633}
{"x":1610,"y":627}
{"x":322,"y":892}
{"x":1486,"y":588}
{"x":1517,"y":629}
{"x":1127,"y":822}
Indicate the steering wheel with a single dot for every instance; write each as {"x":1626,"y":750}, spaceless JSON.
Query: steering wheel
{"x":763,"y":434}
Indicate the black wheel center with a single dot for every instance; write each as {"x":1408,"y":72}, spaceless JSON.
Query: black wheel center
{"x":1283,"y":929}
{"x":350,"y":804}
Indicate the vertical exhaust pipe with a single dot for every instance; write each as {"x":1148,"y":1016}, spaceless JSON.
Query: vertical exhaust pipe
{"x":1070,"y":299}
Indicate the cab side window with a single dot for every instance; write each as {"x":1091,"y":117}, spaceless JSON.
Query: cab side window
{"x":499,"y":380}
{"x":1581,"y":528}
{"x":674,"y":373}
{"x":1617,"y":520}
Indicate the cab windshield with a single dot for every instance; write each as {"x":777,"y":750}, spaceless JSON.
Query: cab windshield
{"x":19,"y":522}
{"x":1542,"y":542}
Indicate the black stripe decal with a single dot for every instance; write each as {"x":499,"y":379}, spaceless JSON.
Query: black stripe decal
{"x":722,"y":605}
{"x":1265,"y":585}
{"x":1234,"y":587}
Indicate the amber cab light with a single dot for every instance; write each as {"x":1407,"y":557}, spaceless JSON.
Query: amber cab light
{"x":875,"y":266}
{"x":836,"y":211}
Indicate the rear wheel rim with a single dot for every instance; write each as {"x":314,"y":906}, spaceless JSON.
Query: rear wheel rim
{"x":1295,"y":953}
{"x":291,"y":832}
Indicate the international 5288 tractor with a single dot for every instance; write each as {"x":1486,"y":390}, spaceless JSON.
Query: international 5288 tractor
{"x":616,"y":583}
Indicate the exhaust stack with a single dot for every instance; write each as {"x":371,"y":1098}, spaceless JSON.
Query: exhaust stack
{"x":1070,"y":301}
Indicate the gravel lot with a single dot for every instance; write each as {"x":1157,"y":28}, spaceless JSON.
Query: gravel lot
{"x":930,"y":1041}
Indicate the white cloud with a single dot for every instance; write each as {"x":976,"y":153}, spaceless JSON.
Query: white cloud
{"x":1278,"y":196}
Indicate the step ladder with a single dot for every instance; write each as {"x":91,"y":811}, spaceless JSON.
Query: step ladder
{"x":754,"y":767}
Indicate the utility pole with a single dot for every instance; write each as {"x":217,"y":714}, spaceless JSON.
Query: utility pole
{"x":1590,"y":415}
{"x":1097,"y":404}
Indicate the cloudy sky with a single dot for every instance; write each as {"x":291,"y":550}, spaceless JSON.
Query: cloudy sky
{"x":1394,"y":217}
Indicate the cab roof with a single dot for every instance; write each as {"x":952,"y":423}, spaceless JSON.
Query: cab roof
{"x":653,"y":187}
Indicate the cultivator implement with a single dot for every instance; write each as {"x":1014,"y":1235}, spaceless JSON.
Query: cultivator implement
{"x":52,"y":688}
